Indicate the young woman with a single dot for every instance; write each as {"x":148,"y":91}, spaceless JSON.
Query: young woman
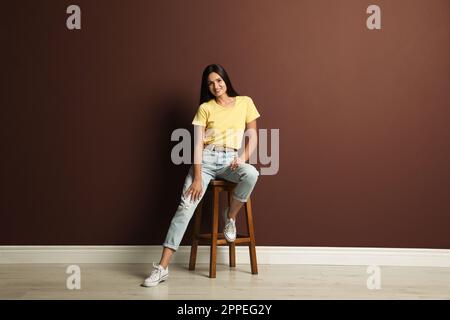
{"x":219,"y":127}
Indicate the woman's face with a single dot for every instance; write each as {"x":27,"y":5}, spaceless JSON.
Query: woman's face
{"x":216,"y":84}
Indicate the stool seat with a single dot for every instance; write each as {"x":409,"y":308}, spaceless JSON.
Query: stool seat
{"x":222,"y":183}
{"x":215,"y":238}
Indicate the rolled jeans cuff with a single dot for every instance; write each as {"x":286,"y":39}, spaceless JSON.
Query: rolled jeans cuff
{"x":239,"y":199}
{"x":170,"y":246}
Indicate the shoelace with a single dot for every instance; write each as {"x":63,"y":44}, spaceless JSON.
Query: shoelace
{"x":156,"y":273}
{"x":231,"y":226}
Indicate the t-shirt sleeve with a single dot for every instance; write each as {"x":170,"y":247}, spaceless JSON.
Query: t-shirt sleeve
{"x":201,"y":117}
{"x":252,"y":112}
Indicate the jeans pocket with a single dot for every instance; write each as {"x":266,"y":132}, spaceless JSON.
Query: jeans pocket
{"x":208,"y":157}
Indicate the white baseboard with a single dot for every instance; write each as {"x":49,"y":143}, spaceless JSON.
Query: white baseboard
{"x":265,"y":255}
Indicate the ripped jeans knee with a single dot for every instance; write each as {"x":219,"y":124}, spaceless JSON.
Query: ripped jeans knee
{"x":187,"y":203}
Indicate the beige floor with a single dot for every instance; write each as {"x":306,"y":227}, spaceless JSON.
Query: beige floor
{"x":122,"y":281}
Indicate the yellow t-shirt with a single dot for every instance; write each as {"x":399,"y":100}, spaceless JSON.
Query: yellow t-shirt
{"x":225,"y":126}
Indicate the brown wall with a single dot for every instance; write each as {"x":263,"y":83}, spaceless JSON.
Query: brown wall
{"x":364,"y":118}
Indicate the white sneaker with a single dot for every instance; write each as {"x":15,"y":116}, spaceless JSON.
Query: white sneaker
{"x":158,"y":275}
{"x":230,"y":230}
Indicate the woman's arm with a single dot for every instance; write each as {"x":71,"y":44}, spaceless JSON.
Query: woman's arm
{"x":199,"y":132}
{"x":195,"y":189}
{"x":250,"y":147}
{"x":252,"y":132}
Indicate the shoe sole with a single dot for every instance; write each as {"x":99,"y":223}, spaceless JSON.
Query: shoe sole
{"x":154,"y":284}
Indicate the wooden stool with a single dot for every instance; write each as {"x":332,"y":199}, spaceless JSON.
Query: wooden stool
{"x":214,"y":238}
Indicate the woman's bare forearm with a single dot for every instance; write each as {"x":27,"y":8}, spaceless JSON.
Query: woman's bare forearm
{"x":198,"y":157}
{"x":197,"y":171}
{"x":198,"y":153}
{"x":251,"y":145}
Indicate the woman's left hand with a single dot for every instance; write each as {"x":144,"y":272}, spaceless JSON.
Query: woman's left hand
{"x":236,"y":162}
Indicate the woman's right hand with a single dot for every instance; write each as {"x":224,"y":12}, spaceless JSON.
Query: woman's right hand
{"x":195,"y":190}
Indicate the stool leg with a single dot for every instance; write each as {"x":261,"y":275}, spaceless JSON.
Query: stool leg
{"x":214,"y":231}
{"x":251,"y":231}
{"x":197,"y":225}
{"x":232,"y":245}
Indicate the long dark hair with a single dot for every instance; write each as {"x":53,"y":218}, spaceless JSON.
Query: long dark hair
{"x":205,"y":94}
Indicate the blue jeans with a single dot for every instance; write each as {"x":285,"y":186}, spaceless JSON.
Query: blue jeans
{"x":215,"y":164}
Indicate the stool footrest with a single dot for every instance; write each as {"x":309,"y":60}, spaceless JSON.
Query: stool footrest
{"x":240,"y":239}
{"x":220,"y":236}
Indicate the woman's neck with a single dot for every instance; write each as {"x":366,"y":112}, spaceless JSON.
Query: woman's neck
{"x":224,"y":100}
